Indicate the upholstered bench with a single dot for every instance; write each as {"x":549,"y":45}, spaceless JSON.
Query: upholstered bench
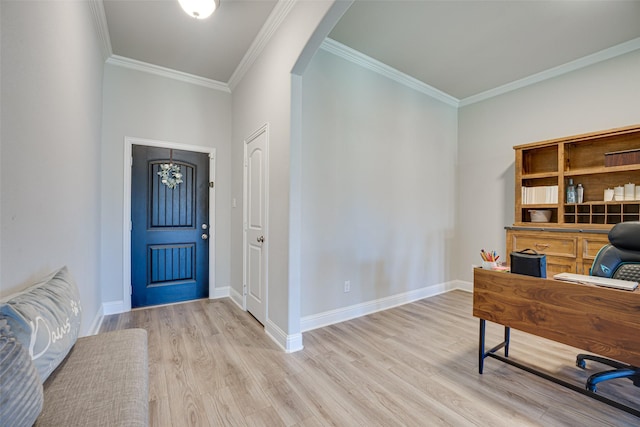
{"x":50,"y":377}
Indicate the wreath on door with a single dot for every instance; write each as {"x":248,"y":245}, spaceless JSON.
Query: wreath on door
{"x":170,"y":174}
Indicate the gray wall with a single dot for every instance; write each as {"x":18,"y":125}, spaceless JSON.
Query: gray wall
{"x":144,"y":105}
{"x":264,"y":96}
{"x":378,"y":186}
{"x":51,"y":120}
{"x":598,"y":97}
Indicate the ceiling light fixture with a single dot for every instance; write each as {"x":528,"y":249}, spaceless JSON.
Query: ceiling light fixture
{"x":199,"y":9}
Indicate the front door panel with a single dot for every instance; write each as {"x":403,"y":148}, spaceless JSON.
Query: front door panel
{"x":169,"y":245}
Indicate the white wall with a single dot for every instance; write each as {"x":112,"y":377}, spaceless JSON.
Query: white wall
{"x":143,"y":105}
{"x":378,"y":186}
{"x":599,"y":97}
{"x":51,"y":122}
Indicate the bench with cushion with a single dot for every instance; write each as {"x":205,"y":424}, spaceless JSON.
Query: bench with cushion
{"x":50,"y":377}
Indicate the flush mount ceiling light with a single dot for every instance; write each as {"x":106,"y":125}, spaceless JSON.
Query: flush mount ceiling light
{"x":199,"y":9}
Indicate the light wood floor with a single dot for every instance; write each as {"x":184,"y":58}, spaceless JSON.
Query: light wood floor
{"x":414,"y":365}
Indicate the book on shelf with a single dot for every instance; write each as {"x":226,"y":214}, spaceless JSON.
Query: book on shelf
{"x":541,"y":195}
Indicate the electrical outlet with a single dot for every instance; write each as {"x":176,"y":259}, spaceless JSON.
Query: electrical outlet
{"x":347,"y":286}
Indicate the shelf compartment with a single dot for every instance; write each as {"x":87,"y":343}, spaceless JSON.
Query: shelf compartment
{"x":583,"y":214}
{"x":631,"y":212}
{"x":589,"y":154}
{"x":595,"y":184}
{"x":540,"y":161}
{"x":605,"y":213}
{"x":526,"y":216}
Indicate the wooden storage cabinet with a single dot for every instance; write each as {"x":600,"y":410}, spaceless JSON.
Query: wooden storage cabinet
{"x":582,"y":158}
{"x":566,"y":251}
{"x":576,"y":231}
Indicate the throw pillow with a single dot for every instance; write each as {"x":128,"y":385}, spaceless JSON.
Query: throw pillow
{"x":45,"y":318}
{"x":20,"y":388}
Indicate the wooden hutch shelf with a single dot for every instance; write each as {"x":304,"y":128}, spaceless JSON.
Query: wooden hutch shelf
{"x":540,"y":175}
{"x":575,"y":230}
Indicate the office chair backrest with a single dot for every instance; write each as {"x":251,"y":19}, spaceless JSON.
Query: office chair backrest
{"x":620,"y":259}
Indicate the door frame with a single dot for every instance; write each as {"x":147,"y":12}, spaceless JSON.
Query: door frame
{"x":264,"y":129}
{"x":129,"y":141}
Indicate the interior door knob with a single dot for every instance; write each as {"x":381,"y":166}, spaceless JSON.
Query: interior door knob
{"x":204,"y":236}
{"x":260,"y":239}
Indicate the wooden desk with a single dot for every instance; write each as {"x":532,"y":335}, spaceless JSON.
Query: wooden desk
{"x":599,"y":320}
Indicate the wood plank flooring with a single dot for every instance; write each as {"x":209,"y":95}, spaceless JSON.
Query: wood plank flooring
{"x":211,"y":364}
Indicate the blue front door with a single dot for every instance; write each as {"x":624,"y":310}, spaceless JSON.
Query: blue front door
{"x":170,"y":227}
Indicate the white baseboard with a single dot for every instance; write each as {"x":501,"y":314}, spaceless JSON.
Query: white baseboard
{"x":338,"y":315}
{"x":218,"y":293}
{"x":236,"y":297}
{"x":463,"y":286}
{"x":289,"y":343}
{"x":107,"y":308}
{"x":97,"y":322}
{"x":113,"y":307}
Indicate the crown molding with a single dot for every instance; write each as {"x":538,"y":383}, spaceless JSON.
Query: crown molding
{"x":376,"y":66}
{"x":279,"y":12}
{"x":603,"y":55}
{"x":100,"y":22}
{"x":367,"y":62}
{"x":145,"y":67}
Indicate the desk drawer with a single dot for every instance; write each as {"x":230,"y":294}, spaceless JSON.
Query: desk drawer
{"x":592,"y":244}
{"x":557,"y":265}
{"x":547,"y":243}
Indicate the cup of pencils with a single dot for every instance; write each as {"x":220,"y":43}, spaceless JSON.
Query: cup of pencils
{"x":489,"y":259}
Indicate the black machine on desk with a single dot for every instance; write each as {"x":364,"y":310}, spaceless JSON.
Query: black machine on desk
{"x":620,"y":259}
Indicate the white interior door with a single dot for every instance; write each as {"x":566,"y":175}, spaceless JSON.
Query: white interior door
{"x":255,"y":221}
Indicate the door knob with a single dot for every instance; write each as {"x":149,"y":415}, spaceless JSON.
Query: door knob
{"x":260,"y":239}
{"x":204,"y":236}
{"x":205,"y":226}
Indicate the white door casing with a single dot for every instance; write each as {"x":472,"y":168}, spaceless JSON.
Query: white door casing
{"x":256,"y":168}
{"x":129,"y":141}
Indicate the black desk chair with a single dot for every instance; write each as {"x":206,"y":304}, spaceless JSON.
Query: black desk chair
{"x":620,"y":259}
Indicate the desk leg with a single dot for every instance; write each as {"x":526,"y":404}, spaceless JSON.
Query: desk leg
{"x":507,"y":338}
{"x":481,"y":355}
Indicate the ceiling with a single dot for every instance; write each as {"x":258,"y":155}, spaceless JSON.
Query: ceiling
{"x":159,"y":32}
{"x":462,"y":48}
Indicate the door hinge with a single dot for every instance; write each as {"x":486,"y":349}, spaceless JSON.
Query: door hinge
{"x":131,"y":161}
{"x":130,"y":290}
{"x":211,"y":184}
{"x":244,"y":289}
